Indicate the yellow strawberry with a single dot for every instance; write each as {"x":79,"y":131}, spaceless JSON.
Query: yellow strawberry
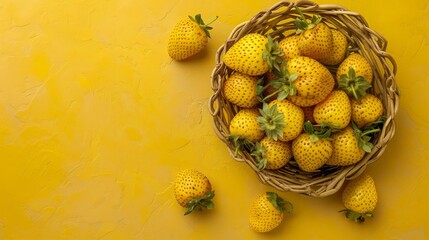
{"x":192,"y":190}
{"x":313,"y":83}
{"x":351,"y":143}
{"x":339,"y":49}
{"x":267,"y":212}
{"x":253,"y":54}
{"x":346,"y":150}
{"x":334,"y":110}
{"x":271,"y":154}
{"x":315,"y":37}
{"x":354,"y":75}
{"x":289,"y":45}
{"x":281,"y":120}
{"x":366,"y":110}
{"x":244,"y":124}
{"x":360,"y":198}
{"x":244,"y":129}
{"x":188,"y":37}
{"x":312,"y":148}
{"x":240,"y":89}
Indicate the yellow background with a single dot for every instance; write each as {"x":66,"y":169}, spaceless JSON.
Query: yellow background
{"x":96,"y":120}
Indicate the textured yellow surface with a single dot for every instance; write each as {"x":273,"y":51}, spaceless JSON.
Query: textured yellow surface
{"x":96,"y":120}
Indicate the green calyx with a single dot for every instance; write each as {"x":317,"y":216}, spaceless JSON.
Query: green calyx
{"x":205,"y":26}
{"x":365,"y":134}
{"x":283,"y":83}
{"x":240,"y":143}
{"x":322,"y":131}
{"x":356,"y":217}
{"x":272,"y":54}
{"x":354,"y":86}
{"x":302,"y":23}
{"x":279,"y":203}
{"x":271,"y":121}
{"x":204,"y":202}
{"x":259,"y":153}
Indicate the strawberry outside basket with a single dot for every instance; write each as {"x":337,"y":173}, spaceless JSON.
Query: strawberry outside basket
{"x":278,"y":21}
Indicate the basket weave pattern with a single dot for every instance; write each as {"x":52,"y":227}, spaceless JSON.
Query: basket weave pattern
{"x":278,"y":21}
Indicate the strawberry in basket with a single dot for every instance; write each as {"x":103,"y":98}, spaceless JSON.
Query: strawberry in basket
{"x":328,"y":66}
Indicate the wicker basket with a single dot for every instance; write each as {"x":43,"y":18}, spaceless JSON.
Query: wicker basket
{"x":278,"y":21}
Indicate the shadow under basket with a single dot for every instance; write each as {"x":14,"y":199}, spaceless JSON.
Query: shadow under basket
{"x":278,"y":21}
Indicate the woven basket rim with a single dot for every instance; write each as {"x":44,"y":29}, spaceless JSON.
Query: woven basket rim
{"x":276,"y":21}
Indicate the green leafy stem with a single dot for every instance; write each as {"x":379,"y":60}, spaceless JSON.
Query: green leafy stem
{"x":302,"y":23}
{"x":365,"y":134}
{"x":353,"y":85}
{"x":272,"y":54}
{"x":283,"y":82}
{"x":356,"y":217}
{"x":240,"y":143}
{"x":271,"y":121}
{"x":323,"y":130}
{"x":198,"y":204}
{"x":259,"y":153}
{"x":205,"y":26}
{"x":279,"y":203}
